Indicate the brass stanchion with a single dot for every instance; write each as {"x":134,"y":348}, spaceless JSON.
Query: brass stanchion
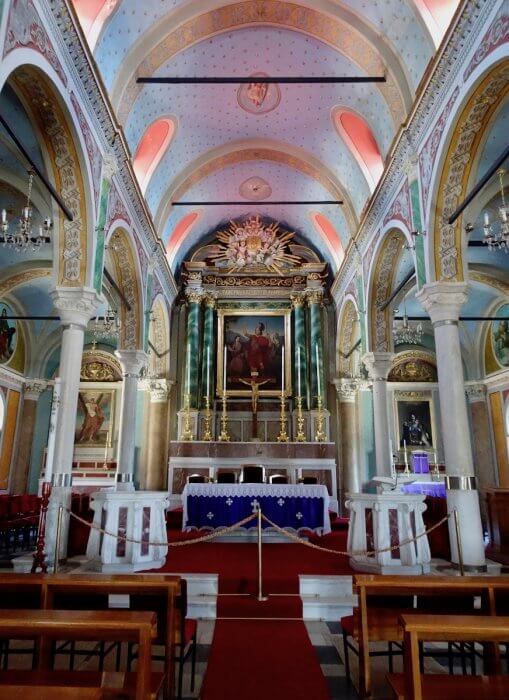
{"x":40,"y":554}
{"x":260,"y":597}
{"x":283,"y":436}
{"x":223,"y":435}
{"x":301,"y":436}
{"x":320,"y":435}
{"x":458,"y":542}
{"x":58,"y":538}
{"x":188,"y":433}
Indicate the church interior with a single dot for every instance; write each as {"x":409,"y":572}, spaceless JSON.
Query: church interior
{"x":254,"y":349}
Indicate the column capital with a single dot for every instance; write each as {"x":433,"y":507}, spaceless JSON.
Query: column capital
{"x":476,"y":392}
{"x":378,"y":364}
{"x":33,"y":388}
{"x":194,"y":296}
{"x":314,"y":296}
{"x":159,"y":389}
{"x":443,"y":300}
{"x":110,"y":167}
{"x":298,"y":300}
{"x":131,"y":361}
{"x":346,"y":389}
{"x":75,"y":305}
{"x":209,"y":300}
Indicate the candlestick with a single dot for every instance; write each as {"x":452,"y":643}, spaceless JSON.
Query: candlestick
{"x":282,"y":437}
{"x":320,"y":436}
{"x":207,"y":433}
{"x":223,"y":435}
{"x":188,"y":433}
{"x":301,"y":436}
{"x":407,"y":470}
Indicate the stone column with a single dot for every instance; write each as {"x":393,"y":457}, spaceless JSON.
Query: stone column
{"x":76,"y":307}
{"x":347,"y":394}
{"x":132,"y":362}
{"x":443,"y":301}
{"x":208,"y":353}
{"x":481,"y":436}
{"x":31,"y":393}
{"x":314,"y":298}
{"x":300,"y":355}
{"x":156,"y":468}
{"x":378,"y":365}
{"x":192,"y":365}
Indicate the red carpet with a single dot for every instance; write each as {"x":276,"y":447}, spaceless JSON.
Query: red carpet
{"x":263,"y":660}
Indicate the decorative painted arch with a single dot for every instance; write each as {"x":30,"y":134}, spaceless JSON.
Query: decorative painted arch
{"x":127,"y":274}
{"x":93,"y":15}
{"x":348,"y":330}
{"x":151,"y":148}
{"x":446,"y":243}
{"x":179,"y":234}
{"x":328,"y":232}
{"x":359,"y":137}
{"x":437,"y":16}
{"x":48,"y":106}
{"x":159,"y":337}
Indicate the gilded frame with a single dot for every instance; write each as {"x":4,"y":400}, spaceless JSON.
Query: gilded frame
{"x":285,"y":314}
{"x":413,"y":399}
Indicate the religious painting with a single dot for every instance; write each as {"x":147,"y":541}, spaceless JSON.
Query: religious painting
{"x":415,"y":424}
{"x":254,"y":350}
{"x":8,"y":334}
{"x":94,"y":420}
{"x":500,"y":337}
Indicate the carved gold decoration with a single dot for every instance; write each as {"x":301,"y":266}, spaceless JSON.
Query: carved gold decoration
{"x":298,"y":300}
{"x":233,"y":281}
{"x":194,"y":296}
{"x":386,"y":266}
{"x":122,"y":254}
{"x":99,"y":366}
{"x":413,"y":366}
{"x":347,"y":327}
{"x":314,"y":296}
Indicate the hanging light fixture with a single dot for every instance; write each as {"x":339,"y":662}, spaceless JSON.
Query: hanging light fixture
{"x":24,"y":237}
{"x":403,"y":332}
{"x":496,"y":234}
{"x":106,"y":326}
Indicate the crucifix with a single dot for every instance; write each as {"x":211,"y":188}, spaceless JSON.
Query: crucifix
{"x":255,"y":383}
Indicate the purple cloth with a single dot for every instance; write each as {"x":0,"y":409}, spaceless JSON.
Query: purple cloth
{"x":428,"y":488}
{"x":420,"y":463}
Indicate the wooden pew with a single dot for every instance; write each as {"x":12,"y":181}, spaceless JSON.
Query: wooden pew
{"x":125,"y":626}
{"x":412,"y":685}
{"x":372,"y":623}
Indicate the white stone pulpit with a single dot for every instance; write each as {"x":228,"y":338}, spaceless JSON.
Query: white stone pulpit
{"x":138,"y":515}
{"x":396,"y":517}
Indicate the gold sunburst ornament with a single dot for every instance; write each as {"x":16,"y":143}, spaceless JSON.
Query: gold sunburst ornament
{"x":251,"y":243}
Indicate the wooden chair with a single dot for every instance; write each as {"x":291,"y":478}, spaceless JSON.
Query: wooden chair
{"x":197,"y":479}
{"x":252,"y":474}
{"x":226,"y":478}
{"x":308,"y":480}
{"x":278,"y":479}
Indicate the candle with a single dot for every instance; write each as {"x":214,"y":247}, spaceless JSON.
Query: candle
{"x":188,"y":373}
{"x":406,"y":454}
{"x":224,"y":370}
{"x":318,"y":385}
{"x":282,"y":369}
{"x":298,"y":371}
{"x":435,"y":457}
{"x":208,"y":371}
{"x":486,"y":219}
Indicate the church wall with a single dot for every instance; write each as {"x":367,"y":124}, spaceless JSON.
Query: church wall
{"x":367,"y":464}
{"x":40,"y":440}
{"x":498,"y":399}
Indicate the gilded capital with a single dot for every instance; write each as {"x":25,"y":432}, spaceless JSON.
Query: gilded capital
{"x":298,"y":300}
{"x":314,"y":296}
{"x":210,"y":301}
{"x":194,"y":296}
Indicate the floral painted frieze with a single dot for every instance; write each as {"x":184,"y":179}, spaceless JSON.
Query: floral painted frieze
{"x":497,"y":34}
{"x":94,"y":154}
{"x":400,"y":209}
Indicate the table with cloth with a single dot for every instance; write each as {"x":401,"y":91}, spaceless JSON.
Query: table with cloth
{"x":292,"y":506}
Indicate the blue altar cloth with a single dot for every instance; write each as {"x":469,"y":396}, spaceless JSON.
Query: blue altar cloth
{"x":292,"y":506}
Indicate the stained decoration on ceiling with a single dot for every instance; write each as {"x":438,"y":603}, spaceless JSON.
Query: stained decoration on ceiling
{"x":255,"y":189}
{"x":252,"y":245}
{"x":259,"y":98}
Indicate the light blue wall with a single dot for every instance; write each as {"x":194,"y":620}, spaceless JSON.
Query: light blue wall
{"x":42,"y":417}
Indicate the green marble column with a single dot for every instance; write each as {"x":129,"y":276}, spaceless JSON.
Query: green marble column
{"x":208,"y":351}
{"x":300,"y":350}
{"x":314,"y":298}
{"x":192,"y":366}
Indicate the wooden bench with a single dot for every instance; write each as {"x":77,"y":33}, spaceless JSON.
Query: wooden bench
{"x":156,"y":593}
{"x":412,"y":685}
{"x":125,"y":626}
{"x":376,"y":619}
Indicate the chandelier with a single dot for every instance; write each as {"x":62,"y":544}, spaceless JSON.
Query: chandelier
{"x":106,"y":326}
{"x":24,"y":237}
{"x":403,"y":333}
{"x":497,"y":235}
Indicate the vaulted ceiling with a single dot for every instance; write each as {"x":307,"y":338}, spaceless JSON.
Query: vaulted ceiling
{"x":222,"y":142}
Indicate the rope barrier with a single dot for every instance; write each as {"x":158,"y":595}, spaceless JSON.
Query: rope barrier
{"x":183,"y":543}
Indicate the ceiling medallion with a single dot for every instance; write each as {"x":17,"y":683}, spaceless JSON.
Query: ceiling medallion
{"x":255,"y":188}
{"x":258,"y":98}
{"x":251,"y":244}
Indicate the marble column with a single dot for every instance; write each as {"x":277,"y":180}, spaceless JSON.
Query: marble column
{"x":443,"y":301}
{"x":481,"y":436}
{"x":300,"y":349}
{"x":76,"y":307}
{"x":314,"y":298}
{"x":347,"y":395}
{"x":156,"y":468}
{"x":192,"y":366}
{"x":378,"y":365}
{"x":132,"y":362}
{"x":32,"y":391}
{"x":208,"y":351}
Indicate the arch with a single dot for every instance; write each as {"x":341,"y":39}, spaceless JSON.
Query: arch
{"x":37,"y":86}
{"x":358,"y":136}
{"x":159,"y":337}
{"x":179,"y":234}
{"x":328,"y":232}
{"x":151,"y":148}
{"x":437,"y":15}
{"x":122,"y":252}
{"x":92,"y":15}
{"x":446,"y":243}
{"x":348,"y":326}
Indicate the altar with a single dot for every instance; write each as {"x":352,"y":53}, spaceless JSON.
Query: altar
{"x":295,"y":507}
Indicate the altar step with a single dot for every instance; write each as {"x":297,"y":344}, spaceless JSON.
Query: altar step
{"x":323,"y":597}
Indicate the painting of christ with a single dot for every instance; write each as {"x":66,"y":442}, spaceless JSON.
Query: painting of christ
{"x":254,"y":343}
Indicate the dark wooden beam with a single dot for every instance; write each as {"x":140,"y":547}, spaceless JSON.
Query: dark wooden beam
{"x":398,"y":289}
{"x":261,"y":79}
{"x":284,"y":203}
{"x":346,"y":355}
{"x":117,"y":289}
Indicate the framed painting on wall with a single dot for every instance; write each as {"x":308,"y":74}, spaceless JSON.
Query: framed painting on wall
{"x":8,"y":334}
{"x":500,"y":337}
{"x":251,"y":345}
{"x":95,"y":417}
{"x":415,"y":424}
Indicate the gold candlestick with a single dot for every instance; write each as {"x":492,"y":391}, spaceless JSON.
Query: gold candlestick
{"x":320,"y":436}
{"x":282,"y":437}
{"x":207,"y":419}
{"x":188,"y":433}
{"x":224,"y":436}
{"x":301,"y":436}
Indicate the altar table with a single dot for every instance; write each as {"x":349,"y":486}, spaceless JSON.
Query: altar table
{"x":291,"y":506}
